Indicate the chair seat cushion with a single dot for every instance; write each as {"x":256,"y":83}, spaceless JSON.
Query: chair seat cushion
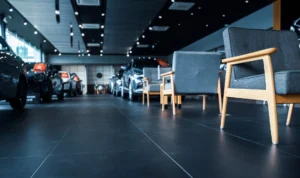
{"x":286,"y":82}
{"x":168,"y":86}
{"x":153,"y":87}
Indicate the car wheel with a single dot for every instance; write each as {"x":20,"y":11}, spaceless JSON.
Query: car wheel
{"x":20,"y":101}
{"x":131,"y":95}
{"x":47,"y":92}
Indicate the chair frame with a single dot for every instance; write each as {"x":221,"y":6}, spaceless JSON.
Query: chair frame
{"x":269,"y":94}
{"x":178,"y":98}
{"x":147,"y":92}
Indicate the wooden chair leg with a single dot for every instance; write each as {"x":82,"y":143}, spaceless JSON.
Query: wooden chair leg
{"x":148,"y":99}
{"x":143,"y":98}
{"x":291,"y":108}
{"x":173,"y":103}
{"x":204,"y":102}
{"x":273,"y":119}
{"x":162,"y":103}
{"x":219,"y":95}
{"x":225,"y":101}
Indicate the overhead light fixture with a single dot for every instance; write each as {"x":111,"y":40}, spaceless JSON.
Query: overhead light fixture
{"x":35,"y":26}
{"x":11,"y":9}
{"x":130,"y":52}
{"x":57,"y":13}
{"x":35,"y":32}
{"x":103,"y":14}
{"x":172,"y":0}
{"x":76,"y":13}
{"x":78,"y":55}
{"x":192,"y":13}
{"x":137,"y":43}
{"x":143,"y":36}
{"x":223,"y":15}
{"x":127,"y":55}
{"x":101,"y":42}
{"x":89,"y":54}
{"x":93,"y":44}
{"x":181,"y":6}
{"x":199,"y":8}
{"x":59,"y":54}
{"x":149,"y":57}
{"x":88,"y":2}
{"x":87,"y":51}
{"x":71,"y":34}
{"x":101,"y":51}
{"x":78,"y":51}
{"x":25,"y":23}
{"x":101,"y":54}
{"x":160,"y":17}
{"x":142,"y":46}
{"x":55,"y":50}
{"x":246,"y":1}
{"x":160,"y":28}
{"x":150,"y":28}
{"x":179,"y":24}
{"x":80,"y":26}
{"x":206,"y":25}
{"x":45,"y":41}
{"x":90,"y":26}
{"x":102,"y":35}
{"x":102,"y":26}
{"x":82,"y":34}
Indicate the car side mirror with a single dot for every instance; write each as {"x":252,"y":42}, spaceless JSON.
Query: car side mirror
{"x":123,"y":67}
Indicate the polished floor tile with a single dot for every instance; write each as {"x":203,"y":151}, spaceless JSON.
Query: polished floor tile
{"x":106,"y":136}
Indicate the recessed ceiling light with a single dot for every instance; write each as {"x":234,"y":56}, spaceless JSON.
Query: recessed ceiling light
{"x":179,"y":24}
{"x":246,"y":1}
{"x":223,"y":15}
{"x":102,"y":26}
{"x":82,"y":34}
{"x":206,"y":25}
{"x":160,"y":17}
{"x":59,"y":54}
{"x":87,"y":51}
{"x":101,"y":54}
{"x":25,"y":23}
{"x":127,"y":55}
{"x":137,"y":43}
{"x":76,"y":13}
{"x":101,"y":51}
{"x":80,"y":26}
{"x":35,"y":26}
{"x":102,"y":35}
{"x":55,"y":50}
{"x":101,"y":42}
{"x":11,"y":9}
{"x":35,"y":32}
{"x":172,"y":0}
{"x":71,"y":33}
{"x":45,"y":41}
{"x":130,"y":52}
{"x":192,"y":13}
{"x":103,"y":14}
{"x":199,"y":7}
{"x":150,"y":28}
{"x":78,"y":55}
{"x":78,"y":51}
{"x":143,"y":36}
{"x":57,"y":12}
{"x":89,"y":54}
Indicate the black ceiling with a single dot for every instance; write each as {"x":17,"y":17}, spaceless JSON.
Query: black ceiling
{"x":204,"y":18}
{"x":15,"y":23}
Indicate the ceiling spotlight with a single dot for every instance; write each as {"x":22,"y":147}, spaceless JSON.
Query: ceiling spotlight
{"x":101,"y":54}
{"x":45,"y":41}
{"x":11,"y":9}
{"x":76,"y":13}
{"x":103,"y":14}
{"x":143,"y":36}
{"x":35,"y":32}
{"x":82,"y":34}
{"x":223,"y":15}
{"x":192,"y":13}
{"x":149,"y":57}
{"x":206,"y":25}
{"x":150,"y":28}
{"x":160,"y":17}
{"x":199,"y":7}
{"x":102,"y":35}
{"x":35,"y":26}
{"x":172,"y":0}
{"x":137,"y":43}
{"x":80,"y":26}
{"x":246,"y":1}
{"x":101,"y":42}
{"x":101,"y":51}
{"x":179,"y":24}
{"x":78,"y":51}
{"x":55,"y":50}
{"x":87,"y":51}
{"x":57,"y":12}
{"x":72,"y":34}
{"x":127,"y":55}
{"x":89,"y":54}
{"x":59,"y":54}
{"x":130,"y":52}
{"x":78,"y":55}
{"x":102,"y":26}
{"x":25,"y":23}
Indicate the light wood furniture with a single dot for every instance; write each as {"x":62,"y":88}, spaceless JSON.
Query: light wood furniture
{"x":147,"y":92}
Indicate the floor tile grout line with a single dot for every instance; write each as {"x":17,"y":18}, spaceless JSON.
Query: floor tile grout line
{"x":50,"y":153}
{"x":238,"y":137}
{"x":154,"y":143}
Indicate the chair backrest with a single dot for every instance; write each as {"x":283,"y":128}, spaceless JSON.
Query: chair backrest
{"x":152,"y":73}
{"x":240,"y":41}
{"x":196,"y":72}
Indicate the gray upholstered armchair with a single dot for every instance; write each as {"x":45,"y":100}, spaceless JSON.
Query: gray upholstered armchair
{"x":193,"y":73}
{"x":152,"y":82}
{"x":262,"y":65}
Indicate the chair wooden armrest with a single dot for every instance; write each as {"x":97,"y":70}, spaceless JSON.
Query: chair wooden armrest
{"x":145,"y":79}
{"x":167,"y":74}
{"x":250,"y":56}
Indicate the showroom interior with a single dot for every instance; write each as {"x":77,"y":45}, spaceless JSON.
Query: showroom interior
{"x":149,"y":88}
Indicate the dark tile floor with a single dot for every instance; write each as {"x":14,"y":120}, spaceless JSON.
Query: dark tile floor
{"x":104,"y":136}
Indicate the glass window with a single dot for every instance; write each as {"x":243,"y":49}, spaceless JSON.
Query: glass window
{"x":23,"y":49}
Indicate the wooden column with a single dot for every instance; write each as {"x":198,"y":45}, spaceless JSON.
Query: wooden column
{"x":277,"y":15}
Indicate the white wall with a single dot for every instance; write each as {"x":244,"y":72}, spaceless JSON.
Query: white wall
{"x":106,"y":71}
{"x":80,"y":70}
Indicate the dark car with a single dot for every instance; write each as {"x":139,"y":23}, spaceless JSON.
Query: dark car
{"x":13,"y":80}
{"x":132,"y":84}
{"x":296,"y":27}
{"x":116,"y":83}
{"x":44,"y":81}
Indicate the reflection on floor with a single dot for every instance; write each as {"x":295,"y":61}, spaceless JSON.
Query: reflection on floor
{"x":104,"y":136}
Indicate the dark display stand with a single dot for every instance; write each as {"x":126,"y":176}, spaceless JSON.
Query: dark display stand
{"x":289,"y":13}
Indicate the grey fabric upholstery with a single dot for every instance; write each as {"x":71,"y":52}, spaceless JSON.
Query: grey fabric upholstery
{"x":153,"y":87}
{"x":152,"y":75}
{"x":285,"y":82}
{"x":196,"y":72}
{"x":286,"y":61}
{"x":240,"y":41}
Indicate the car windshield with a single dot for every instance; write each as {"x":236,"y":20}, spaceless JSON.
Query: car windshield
{"x":140,"y":64}
{"x":3,"y":45}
